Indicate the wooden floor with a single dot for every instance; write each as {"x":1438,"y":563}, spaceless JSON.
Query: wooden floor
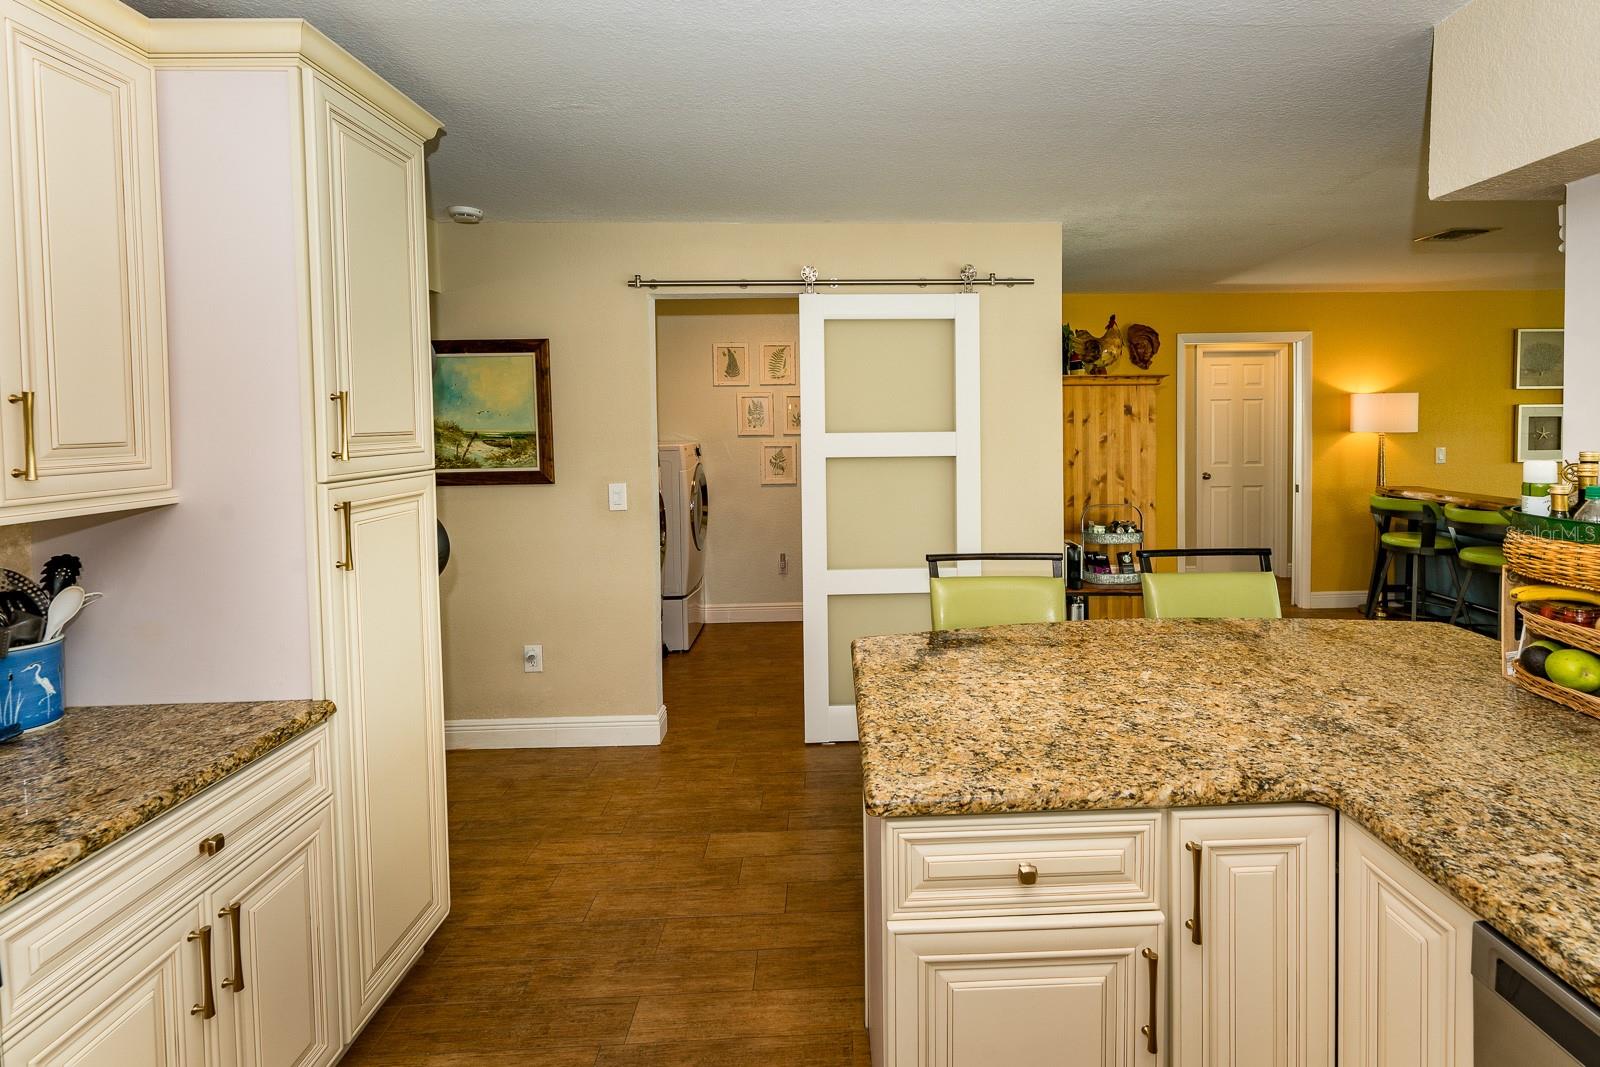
{"x":697,"y":903}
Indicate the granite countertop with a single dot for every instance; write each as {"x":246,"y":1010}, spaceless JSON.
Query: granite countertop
{"x":1407,"y":728}
{"x":70,"y":789}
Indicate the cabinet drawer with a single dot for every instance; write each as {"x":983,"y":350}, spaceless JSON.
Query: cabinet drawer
{"x":1022,"y":864}
{"x":53,"y":938}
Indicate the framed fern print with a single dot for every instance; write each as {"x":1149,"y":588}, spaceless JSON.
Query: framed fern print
{"x":779,"y":465}
{"x":777,"y":365}
{"x":755,"y":415}
{"x":730,"y":363}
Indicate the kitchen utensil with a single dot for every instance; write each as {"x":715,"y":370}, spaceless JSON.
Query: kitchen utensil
{"x":64,"y":606}
{"x":13,"y":582}
{"x":18,"y":618}
{"x":59,"y":572}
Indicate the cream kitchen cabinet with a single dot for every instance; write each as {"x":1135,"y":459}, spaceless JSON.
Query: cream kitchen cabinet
{"x":156,"y":952}
{"x":382,"y":637}
{"x":372,"y":362}
{"x":1080,"y":992}
{"x":85,"y":429}
{"x":1253,"y":889}
{"x":1405,"y":962}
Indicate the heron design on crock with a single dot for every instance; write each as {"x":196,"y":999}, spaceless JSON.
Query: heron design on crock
{"x":39,"y":680}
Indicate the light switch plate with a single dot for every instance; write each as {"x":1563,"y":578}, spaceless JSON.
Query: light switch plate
{"x":1438,"y":454}
{"x":617,"y":496}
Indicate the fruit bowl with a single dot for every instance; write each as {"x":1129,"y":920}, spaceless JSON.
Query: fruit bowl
{"x":1582,"y":702}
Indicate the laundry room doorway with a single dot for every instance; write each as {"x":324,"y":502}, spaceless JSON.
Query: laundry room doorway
{"x":727,"y":415}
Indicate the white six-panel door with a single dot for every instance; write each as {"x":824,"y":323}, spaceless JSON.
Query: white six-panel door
{"x":1240,"y":450}
{"x":829,"y":713}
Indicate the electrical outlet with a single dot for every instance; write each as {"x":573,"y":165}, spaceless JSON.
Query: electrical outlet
{"x":1438,"y":454}
{"x":532,"y":659}
{"x":783,"y":563}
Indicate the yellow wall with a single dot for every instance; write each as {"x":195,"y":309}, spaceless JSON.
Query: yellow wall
{"x":1452,"y":348}
{"x":550,"y":564}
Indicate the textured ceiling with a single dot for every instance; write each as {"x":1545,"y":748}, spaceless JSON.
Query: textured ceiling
{"x":1181,"y":144}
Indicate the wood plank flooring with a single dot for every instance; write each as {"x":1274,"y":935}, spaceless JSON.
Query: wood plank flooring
{"x":696,"y":903}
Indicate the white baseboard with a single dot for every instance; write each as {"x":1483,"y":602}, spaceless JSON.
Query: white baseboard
{"x":568,"y":731}
{"x":753,"y":612}
{"x":1337,"y":598}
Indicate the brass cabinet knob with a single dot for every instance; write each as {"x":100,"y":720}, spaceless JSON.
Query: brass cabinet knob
{"x":1027,"y":873}
{"x":210,"y":846}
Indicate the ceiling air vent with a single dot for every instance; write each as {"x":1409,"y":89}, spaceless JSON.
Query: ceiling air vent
{"x":1455,"y":233}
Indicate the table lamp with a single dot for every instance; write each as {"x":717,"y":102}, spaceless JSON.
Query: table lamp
{"x":1383,"y":413}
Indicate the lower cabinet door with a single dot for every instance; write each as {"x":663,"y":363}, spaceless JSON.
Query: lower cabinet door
{"x":1253,"y":937}
{"x":1078,"y":992}
{"x":275,"y":953}
{"x":149,"y":1010}
{"x":381,"y":635}
{"x":1405,"y":962}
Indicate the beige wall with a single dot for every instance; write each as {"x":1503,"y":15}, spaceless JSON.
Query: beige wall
{"x":1516,"y":102}
{"x":751,"y":523}
{"x":550,"y":564}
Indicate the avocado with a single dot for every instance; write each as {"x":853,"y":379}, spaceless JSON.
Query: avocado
{"x":1532,"y":659}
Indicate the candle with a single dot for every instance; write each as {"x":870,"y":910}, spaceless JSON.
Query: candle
{"x":1539,"y":471}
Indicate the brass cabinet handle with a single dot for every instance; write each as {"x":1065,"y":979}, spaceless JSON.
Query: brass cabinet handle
{"x":29,"y":471}
{"x":236,"y":982}
{"x":210,"y":846}
{"x":208,"y":1002}
{"x":342,"y":398}
{"x":1027,"y":873}
{"x":1192,"y":924}
{"x":348,"y":561}
{"x":1149,"y":1028}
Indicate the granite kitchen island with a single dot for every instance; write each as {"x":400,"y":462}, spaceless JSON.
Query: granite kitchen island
{"x":1028,"y":785}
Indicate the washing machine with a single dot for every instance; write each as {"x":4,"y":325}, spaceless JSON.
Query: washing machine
{"x":685,"y":505}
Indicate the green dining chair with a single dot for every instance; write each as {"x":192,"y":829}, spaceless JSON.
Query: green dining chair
{"x":1412,"y":531}
{"x":966,"y":602}
{"x":1199,"y":595}
{"x":1478,"y":537}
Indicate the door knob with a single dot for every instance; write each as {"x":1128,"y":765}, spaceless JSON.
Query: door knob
{"x":1206,"y":476}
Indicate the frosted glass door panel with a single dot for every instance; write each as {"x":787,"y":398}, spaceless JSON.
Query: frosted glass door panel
{"x":850,"y":617}
{"x":890,"y":512}
{"x":890,"y":375}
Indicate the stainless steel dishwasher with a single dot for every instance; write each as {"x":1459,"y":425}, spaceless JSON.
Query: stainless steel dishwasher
{"x":1524,"y":1016}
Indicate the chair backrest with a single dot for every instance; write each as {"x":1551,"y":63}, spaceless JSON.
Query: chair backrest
{"x":961,"y":603}
{"x":1423,"y":515}
{"x":1147,"y":556}
{"x":996,"y":600}
{"x":1235,"y":595}
{"x":1471,"y":522}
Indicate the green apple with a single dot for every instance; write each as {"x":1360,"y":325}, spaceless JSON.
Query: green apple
{"x":1546,"y":643}
{"x":1575,"y":669}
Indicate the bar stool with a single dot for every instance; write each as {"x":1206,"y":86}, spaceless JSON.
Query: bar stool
{"x":1418,"y":540}
{"x":1485,"y":532}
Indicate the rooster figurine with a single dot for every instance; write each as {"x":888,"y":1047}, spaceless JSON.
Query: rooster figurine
{"x":1110,"y":349}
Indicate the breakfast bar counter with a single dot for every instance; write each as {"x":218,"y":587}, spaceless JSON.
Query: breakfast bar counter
{"x":1409,"y":730}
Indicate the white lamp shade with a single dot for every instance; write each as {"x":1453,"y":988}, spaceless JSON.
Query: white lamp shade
{"x":1383,"y":412}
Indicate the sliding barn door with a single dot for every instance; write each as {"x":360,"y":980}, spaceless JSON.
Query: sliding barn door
{"x":889,"y":462}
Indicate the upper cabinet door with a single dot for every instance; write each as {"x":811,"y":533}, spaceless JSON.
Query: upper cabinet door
{"x":1253,"y":937}
{"x":84,"y":364}
{"x":373,"y":375}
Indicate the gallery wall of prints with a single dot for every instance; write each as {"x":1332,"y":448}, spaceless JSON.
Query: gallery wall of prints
{"x":727,"y":378}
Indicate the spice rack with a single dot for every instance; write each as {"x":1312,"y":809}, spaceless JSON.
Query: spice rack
{"x":1130,"y":542}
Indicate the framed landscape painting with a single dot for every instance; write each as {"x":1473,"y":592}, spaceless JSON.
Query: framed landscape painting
{"x":1540,"y":359}
{"x":492,"y":421}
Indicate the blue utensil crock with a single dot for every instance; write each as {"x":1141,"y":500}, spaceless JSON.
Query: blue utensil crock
{"x":32,"y":677}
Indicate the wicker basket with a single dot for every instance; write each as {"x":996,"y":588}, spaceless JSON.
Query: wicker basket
{"x":1584,"y":637}
{"x":1567,"y":563}
{"x":1571,"y":698}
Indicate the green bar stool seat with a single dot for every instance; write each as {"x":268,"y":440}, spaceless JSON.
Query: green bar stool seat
{"x":1408,"y":530}
{"x":1478,"y":537}
{"x":967,"y":602}
{"x":1224,"y":595}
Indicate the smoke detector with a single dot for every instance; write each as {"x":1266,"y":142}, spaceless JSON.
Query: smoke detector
{"x":1456,"y":233}
{"x":467,"y":216}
